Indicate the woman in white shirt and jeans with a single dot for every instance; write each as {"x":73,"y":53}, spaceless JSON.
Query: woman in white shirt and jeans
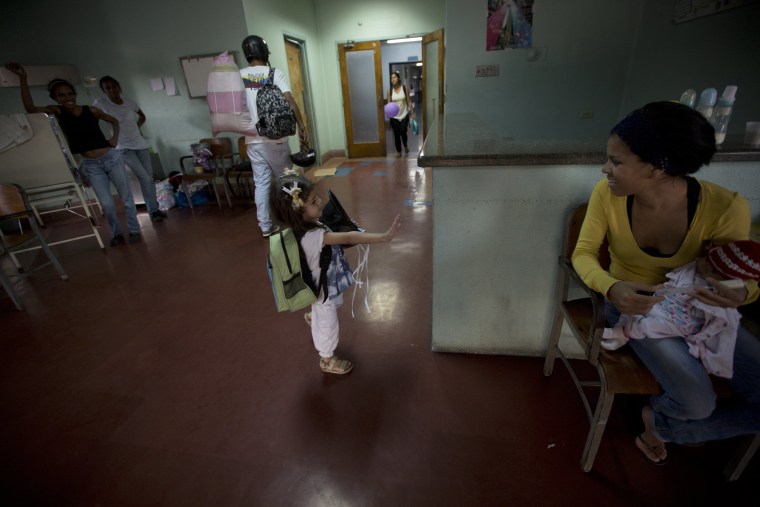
{"x":132,"y":145}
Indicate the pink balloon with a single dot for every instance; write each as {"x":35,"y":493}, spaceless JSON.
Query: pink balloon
{"x":391,"y":109}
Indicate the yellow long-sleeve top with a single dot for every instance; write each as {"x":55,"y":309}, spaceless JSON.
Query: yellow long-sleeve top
{"x":721,"y":216}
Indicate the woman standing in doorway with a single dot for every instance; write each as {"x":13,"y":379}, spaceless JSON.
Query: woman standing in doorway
{"x":400,"y":123}
{"x":132,"y":145}
{"x":103,"y":164}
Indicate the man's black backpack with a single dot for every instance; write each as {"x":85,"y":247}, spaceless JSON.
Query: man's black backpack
{"x":276,"y":119}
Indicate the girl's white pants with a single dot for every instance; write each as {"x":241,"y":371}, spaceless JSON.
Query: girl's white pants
{"x":325,"y":327}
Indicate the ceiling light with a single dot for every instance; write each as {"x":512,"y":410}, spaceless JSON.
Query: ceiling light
{"x":408,"y":39}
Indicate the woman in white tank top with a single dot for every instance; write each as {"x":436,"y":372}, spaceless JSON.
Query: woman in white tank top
{"x":400,"y":123}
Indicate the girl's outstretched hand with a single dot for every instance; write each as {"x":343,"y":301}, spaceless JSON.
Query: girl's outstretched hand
{"x":393,"y":229}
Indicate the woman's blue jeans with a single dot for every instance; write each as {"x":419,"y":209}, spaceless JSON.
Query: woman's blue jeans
{"x":102,"y":172}
{"x":141,"y":166}
{"x":687,"y":411}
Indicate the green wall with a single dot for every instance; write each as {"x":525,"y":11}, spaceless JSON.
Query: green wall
{"x":602,"y":57}
{"x":594,"y":56}
{"x":708,"y":52}
{"x":134,"y":42}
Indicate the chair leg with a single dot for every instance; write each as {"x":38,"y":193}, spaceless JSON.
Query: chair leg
{"x":90,"y":212}
{"x":213,"y":186}
{"x":741,"y":458}
{"x":49,"y":251}
{"x":8,"y":286}
{"x":227,"y":191}
{"x":551,"y":348}
{"x":187,"y":194}
{"x":596,"y":431}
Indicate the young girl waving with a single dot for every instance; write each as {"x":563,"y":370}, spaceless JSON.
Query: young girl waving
{"x":295,"y":202}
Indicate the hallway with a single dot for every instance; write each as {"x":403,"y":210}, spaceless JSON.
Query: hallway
{"x":161,"y":374}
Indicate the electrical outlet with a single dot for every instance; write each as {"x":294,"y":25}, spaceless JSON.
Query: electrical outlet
{"x":587,"y":114}
{"x":486,"y":70}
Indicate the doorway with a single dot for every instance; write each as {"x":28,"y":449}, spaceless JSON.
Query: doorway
{"x":411,"y":76}
{"x":364,"y":92}
{"x":295,"y":51}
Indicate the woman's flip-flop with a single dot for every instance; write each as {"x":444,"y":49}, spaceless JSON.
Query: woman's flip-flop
{"x":649,"y":451}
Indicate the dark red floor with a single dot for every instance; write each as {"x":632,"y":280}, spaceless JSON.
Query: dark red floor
{"x":160,"y":374}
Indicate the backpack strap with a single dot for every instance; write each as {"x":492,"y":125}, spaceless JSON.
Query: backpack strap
{"x":305,"y":270}
{"x":325,"y":258}
{"x":408,"y":99}
{"x":271,"y":76}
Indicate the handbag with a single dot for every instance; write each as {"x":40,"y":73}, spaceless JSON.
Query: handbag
{"x":415,"y":127}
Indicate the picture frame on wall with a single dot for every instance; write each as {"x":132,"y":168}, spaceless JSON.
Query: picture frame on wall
{"x":509,"y":24}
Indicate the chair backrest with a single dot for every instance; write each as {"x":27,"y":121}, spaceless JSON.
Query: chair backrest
{"x":573,"y":230}
{"x":11,"y":200}
{"x":219,"y":146}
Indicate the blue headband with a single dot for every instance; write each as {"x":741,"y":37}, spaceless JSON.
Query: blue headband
{"x":638,"y":133}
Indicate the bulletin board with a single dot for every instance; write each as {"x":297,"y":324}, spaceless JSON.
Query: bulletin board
{"x":196,"y":69}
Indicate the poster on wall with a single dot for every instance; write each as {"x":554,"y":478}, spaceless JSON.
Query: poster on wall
{"x":509,"y":25}
{"x":686,"y":10}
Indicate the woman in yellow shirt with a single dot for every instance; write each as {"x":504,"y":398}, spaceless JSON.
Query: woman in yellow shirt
{"x":656,"y":217}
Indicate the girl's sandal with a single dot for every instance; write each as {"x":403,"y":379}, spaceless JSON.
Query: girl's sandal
{"x":335,"y":365}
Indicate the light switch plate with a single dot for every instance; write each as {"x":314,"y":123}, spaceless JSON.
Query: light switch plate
{"x":486,"y":70}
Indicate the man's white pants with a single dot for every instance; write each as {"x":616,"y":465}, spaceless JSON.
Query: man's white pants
{"x":268,"y":159}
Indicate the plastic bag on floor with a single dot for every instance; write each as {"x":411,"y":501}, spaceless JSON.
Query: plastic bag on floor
{"x":198,"y":191}
{"x":165,"y":195}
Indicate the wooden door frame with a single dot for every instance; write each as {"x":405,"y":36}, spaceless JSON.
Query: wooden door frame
{"x":299,"y":79}
{"x":426,"y":39}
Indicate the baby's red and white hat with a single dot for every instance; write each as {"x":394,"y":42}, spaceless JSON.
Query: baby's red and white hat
{"x":739,"y":259}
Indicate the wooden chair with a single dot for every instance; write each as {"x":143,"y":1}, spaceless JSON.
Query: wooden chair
{"x":620,"y":371}
{"x":221,"y":150}
{"x":16,"y":209}
{"x":238,"y":174}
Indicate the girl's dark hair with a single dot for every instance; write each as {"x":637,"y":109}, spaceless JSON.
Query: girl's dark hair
{"x":281,"y":203}
{"x":398,"y":75}
{"x":670,"y":136}
{"x":105,"y":79}
{"x":55,"y":83}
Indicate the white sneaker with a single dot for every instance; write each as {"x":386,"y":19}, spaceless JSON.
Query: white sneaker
{"x":272,"y":230}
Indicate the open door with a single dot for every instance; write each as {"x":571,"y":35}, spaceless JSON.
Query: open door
{"x":432,"y":78}
{"x":361,"y":82}
{"x":299,"y":87}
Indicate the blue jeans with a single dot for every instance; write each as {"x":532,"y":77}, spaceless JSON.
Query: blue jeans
{"x":687,"y":411}
{"x":139,"y":162}
{"x":102,"y":172}
{"x":267,"y":160}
